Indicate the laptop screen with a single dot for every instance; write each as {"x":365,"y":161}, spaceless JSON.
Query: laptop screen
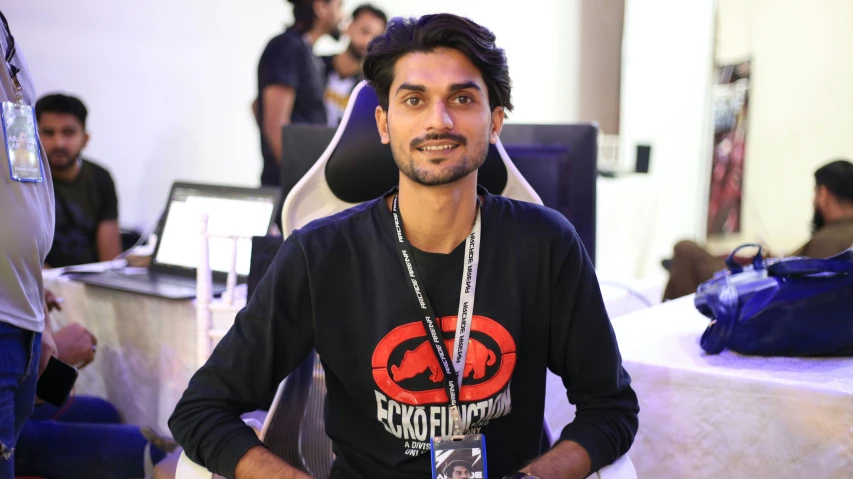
{"x":231,"y":211}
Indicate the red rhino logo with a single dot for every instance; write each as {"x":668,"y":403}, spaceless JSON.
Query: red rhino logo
{"x":423,"y":358}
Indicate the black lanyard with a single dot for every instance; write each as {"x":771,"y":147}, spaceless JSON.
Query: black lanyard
{"x":10,"y":54}
{"x":433,"y":331}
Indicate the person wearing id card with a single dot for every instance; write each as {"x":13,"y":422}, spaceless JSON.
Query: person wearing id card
{"x":436,"y":309}
{"x":26,"y":233}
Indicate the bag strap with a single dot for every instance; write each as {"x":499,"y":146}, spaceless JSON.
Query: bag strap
{"x":841,"y":263}
{"x":757,"y":260}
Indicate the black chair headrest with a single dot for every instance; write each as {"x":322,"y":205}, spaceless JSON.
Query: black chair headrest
{"x":361,"y":168}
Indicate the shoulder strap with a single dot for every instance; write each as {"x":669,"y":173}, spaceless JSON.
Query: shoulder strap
{"x":840,"y":263}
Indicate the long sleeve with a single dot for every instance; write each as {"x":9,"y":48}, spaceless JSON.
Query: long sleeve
{"x":584,"y":353}
{"x":269,"y":339}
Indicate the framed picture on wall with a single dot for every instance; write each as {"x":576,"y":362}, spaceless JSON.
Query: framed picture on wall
{"x":730,"y":109}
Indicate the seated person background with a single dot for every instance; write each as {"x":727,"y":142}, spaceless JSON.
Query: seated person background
{"x":86,"y":204}
{"x":832,"y":232}
{"x":84,"y":438}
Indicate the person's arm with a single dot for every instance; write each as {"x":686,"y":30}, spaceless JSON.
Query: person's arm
{"x":259,"y":463}
{"x":584,"y":353}
{"x":270,"y":337}
{"x":48,"y":345}
{"x":278,"y":78}
{"x":107,"y":236}
{"x":278,"y":106}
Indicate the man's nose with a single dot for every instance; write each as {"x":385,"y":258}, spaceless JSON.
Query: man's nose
{"x":439,"y":118}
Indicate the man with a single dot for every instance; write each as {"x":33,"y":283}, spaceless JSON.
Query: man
{"x":458,"y":470}
{"x":360,"y":288}
{"x":343,"y":71}
{"x":832,"y":232}
{"x":26,"y":232}
{"x":84,"y":437}
{"x":290,"y":78}
{"x":87,"y":228}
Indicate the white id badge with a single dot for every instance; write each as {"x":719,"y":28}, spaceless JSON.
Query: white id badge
{"x":21,"y":142}
{"x":459,"y":457}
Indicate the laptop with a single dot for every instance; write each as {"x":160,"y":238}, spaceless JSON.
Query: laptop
{"x":172,"y":274}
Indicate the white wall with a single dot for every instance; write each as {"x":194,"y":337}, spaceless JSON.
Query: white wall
{"x":667,"y":53}
{"x":169,"y":84}
{"x":801,"y":106}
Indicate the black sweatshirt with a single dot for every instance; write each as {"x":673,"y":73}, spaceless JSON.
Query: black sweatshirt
{"x":337,"y":285}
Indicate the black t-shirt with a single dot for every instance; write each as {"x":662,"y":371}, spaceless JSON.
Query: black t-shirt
{"x":288,"y":60}
{"x":80,"y":207}
{"x":337,"y":285}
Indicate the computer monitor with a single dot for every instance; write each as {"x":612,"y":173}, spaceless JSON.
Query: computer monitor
{"x":560,"y":163}
{"x":231,"y":211}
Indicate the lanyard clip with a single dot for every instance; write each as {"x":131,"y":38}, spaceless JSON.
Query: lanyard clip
{"x":457,"y":420}
{"x":19,"y":90}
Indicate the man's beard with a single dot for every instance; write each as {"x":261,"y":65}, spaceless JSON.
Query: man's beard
{"x":354,"y":52}
{"x":818,"y":221}
{"x":70,"y":160}
{"x":470,"y":162}
{"x":335,"y":33}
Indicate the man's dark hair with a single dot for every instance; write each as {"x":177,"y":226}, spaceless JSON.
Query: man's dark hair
{"x":303,"y":14}
{"x":837,"y":177}
{"x":448,"y":470}
{"x":59,"y":103}
{"x":368,"y":8}
{"x":427,"y":33}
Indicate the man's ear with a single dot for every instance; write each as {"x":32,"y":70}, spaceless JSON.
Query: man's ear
{"x":382,"y":125}
{"x":497,"y":124}
{"x":85,"y":138}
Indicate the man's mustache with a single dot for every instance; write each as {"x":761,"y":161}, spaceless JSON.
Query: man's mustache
{"x":417,"y":142}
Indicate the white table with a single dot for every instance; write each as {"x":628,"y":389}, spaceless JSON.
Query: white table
{"x":727,"y":415}
{"x":146,"y":347}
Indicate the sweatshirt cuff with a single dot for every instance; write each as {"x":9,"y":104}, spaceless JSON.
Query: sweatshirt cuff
{"x":593,"y":441}
{"x":233,"y":449}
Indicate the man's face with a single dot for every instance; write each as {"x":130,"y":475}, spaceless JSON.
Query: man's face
{"x":821,"y":196}
{"x":329,"y":15}
{"x":63,"y":138}
{"x":438,"y":123}
{"x":461,"y":472}
{"x":362,"y":30}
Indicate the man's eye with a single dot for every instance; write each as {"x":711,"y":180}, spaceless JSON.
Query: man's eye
{"x":463,"y":99}
{"x":413,"y":101}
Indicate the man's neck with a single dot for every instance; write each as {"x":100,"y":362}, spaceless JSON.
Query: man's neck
{"x":346,"y":64}
{"x":436,"y":219}
{"x":313,"y":35}
{"x":69,"y":173}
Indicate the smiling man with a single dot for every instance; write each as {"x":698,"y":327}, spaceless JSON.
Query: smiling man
{"x":412,"y":349}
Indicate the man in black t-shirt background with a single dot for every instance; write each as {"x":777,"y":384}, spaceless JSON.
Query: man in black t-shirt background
{"x":291,"y":79}
{"x":87,"y":228}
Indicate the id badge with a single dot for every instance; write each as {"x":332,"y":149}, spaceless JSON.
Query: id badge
{"x":21,"y":142}
{"x":459,"y":457}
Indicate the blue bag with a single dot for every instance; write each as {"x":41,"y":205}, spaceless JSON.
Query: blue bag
{"x":780,"y":307}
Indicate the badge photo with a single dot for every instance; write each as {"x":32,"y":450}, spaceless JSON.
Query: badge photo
{"x":459,"y":457}
{"x":21,"y":141}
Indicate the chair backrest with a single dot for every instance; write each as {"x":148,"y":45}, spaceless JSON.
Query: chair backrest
{"x":356,"y":167}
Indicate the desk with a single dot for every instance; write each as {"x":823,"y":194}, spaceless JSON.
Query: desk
{"x":728,"y":415}
{"x":146,"y":347}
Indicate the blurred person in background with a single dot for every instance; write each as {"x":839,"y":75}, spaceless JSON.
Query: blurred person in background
{"x":343,"y":71}
{"x":832,"y":232}
{"x":87,"y":228}
{"x":291,"y":78}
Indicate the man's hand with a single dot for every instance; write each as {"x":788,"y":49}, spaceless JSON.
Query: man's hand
{"x":75,"y":345}
{"x":567,"y":459}
{"x":48,"y":348}
{"x":52,"y":301}
{"x":260,"y":463}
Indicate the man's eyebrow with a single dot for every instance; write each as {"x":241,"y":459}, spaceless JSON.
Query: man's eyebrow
{"x":464,"y":86}
{"x":411,"y":87}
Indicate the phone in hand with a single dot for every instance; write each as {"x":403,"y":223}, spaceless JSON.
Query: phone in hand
{"x":56,"y":382}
